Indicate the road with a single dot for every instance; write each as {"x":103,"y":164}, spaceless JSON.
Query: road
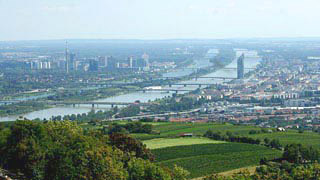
{"x":153,"y":115}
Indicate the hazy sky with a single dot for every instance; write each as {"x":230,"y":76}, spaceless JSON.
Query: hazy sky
{"x":157,"y":19}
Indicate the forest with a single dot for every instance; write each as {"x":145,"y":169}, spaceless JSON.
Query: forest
{"x":63,"y":150}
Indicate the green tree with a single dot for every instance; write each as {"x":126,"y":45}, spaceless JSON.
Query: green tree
{"x":26,"y":148}
{"x":266,"y":141}
{"x":131,"y":145}
{"x":275,"y":143}
{"x":179,"y":173}
{"x":62,"y":150}
{"x":139,"y":169}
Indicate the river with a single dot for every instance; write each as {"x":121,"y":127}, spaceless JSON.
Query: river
{"x":251,"y":61}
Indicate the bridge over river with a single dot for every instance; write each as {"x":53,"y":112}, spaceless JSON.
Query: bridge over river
{"x":224,"y":68}
{"x":96,"y":103}
{"x":93,"y":103}
{"x":206,"y":77}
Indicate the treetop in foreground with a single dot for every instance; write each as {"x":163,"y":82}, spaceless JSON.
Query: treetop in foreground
{"x":62,"y":150}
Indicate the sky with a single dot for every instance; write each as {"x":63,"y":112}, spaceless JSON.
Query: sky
{"x":157,"y":19}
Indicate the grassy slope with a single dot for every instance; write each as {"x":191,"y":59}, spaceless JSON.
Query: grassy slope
{"x":200,"y":129}
{"x":204,"y":159}
{"x":169,"y":142}
{"x":174,"y":129}
{"x":306,"y":138}
{"x":289,"y":137}
{"x":250,"y":169}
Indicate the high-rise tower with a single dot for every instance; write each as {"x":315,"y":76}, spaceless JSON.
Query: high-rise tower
{"x":111,"y":63}
{"x":145,"y":57}
{"x":131,"y":62}
{"x":240,"y":67}
{"x":71,"y":58}
{"x":67,"y":57}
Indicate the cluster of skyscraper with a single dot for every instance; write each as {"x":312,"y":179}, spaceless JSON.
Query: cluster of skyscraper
{"x":72,"y":63}
{"x":142,"y":62}
{"x":108,"y":63}
{"x":40,"y":65}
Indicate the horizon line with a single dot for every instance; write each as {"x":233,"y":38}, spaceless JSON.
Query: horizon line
{"x":167,"y":39}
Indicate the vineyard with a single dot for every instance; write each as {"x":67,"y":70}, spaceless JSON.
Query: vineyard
{"x":289,"y":137}
{"x":204,"y":159}
{"x":203,"y":156}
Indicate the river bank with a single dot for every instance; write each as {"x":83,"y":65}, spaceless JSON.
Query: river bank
{"x":147,"y":96}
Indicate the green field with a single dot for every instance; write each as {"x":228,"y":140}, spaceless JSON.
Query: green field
{"x":170,"y":130}
{"x":204,"y":159}
{"x":200,"y":128}
{"x":174,"y":129}
{"x":289,"y":137}
{"x":169,"y":142}
{"x":201,"y":158}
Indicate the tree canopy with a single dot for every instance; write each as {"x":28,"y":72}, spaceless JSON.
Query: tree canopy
{"x":62,"y":150}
